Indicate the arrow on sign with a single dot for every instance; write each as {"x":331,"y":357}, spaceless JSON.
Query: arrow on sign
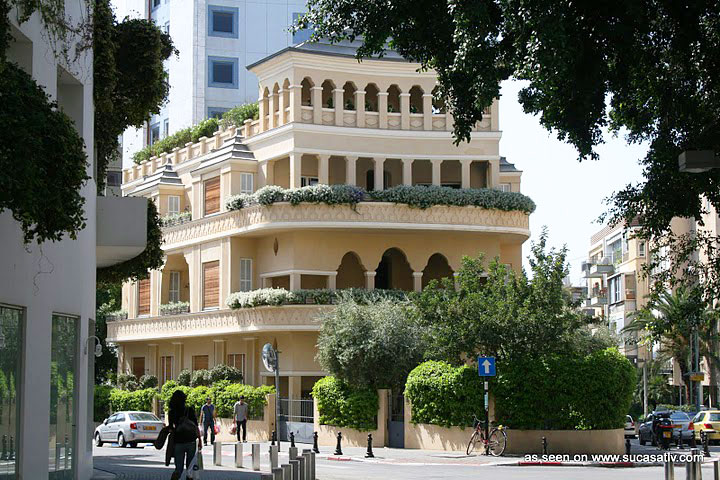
{"x":487,"y":365}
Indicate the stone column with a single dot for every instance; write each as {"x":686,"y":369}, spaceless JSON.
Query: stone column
{"x":261,"y":114}
{"x":178,"y":358}
{"x":295,"y":169}
{"x":405,"y":111}
{"x":193,"y":267}
{"x":360,"y":108}
{"x":417,"y":281}
{"x":317,"y":104}
{"x":407,"y":171}
{"x":495,"y":116}
{"x":250,"y":361}
{"x":294,"y":386}
{"x":272,"y":101}
{"x":332,"y":281}
{"x":493,"y":180}
{"x":350,"y":170}
{"x":436,"y":168}
{"x":219,"y":352}
{"x":155,"y":292}
{"x":295,"y":103}
{"x":427,"y":111}
{"x":281,"y":107}
{"x":338,"y":94}
{"x":295,"y":281}
{"x":370,"y":279}
{"x":324,"y":169}
{"x":449,"y":121}
{"x":196,"y":196}
{"x":152,"y":366}
{"x":382,"y":109}
{"x":379,"y":170}
{"x":465,"y":173}
{"x":121,"y":359}
{"x":225,"y":270}
{"x":266,"y":173}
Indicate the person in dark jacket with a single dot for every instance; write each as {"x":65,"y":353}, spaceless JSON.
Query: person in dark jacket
{"x":186,"y":434}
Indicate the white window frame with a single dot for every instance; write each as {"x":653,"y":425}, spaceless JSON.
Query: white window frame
{"x":173,"y":199}
{"x":641,"y":249}
{"x":307,"y":181}
{"x":247,"y":183}
{"x":506,"y":187}
{"x":246,"y":284}
{"x":174,"y":291}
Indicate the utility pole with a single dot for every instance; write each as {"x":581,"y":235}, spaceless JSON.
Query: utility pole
{"x":696,"y":366}
{"x":645,"y":389}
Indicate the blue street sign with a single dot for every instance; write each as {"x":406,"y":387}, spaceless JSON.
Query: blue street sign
{"x":486,"y":366}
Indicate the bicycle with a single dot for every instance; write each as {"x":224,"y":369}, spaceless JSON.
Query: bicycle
{"x":495,"y":443}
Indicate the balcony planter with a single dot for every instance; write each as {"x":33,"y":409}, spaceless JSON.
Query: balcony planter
{"x":175,"y":308}
{"x":116,"y":316}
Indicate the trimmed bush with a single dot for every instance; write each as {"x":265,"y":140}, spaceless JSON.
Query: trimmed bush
{"x":280,"y":296}
{"x":418,"y":196}
{"x":101,"y":402}
{"x":184,"y":377}
{"x":124,"y":378}
{"x":544,"y":393}
{"x":445,"y":395}
{"x":169,"y":388}
{"x":237,"y":115}
{"x":227,"y":394}
{"x":341,"y":405}
{"x":179,"y":139}
{"x":200,"y":378}
{"x":225,"y":372}
{"x":148,"y":381}
{"x":140,"y":400}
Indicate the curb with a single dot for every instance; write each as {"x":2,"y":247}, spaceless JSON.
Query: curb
{"x":585,"y":464}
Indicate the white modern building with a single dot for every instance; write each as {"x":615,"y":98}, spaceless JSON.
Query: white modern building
{"x":216,"y":40}
{"x":47,"y":291}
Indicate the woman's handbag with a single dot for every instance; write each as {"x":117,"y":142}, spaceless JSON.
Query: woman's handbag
{"x":216,"y":428}
{"x":159,"y":442}
{"x":233,"y":429}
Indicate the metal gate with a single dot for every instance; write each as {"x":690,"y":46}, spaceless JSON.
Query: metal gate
{"x":296,"y":416}
{"x":396,"y":420}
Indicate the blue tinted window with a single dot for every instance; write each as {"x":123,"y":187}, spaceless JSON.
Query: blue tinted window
{"x":222,"y":21}
{"x":223,"y":72}
{"x":216,"y":112}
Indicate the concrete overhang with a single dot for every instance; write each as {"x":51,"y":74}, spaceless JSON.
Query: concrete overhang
{"x":121,"y":229}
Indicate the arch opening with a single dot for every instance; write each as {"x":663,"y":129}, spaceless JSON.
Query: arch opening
{"x":393,"y":271}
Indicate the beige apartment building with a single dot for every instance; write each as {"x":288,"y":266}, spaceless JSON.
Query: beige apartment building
{"x":325,"y":118}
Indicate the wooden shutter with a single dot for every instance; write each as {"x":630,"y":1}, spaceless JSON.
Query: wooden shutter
{"x":212,"y":196}
{"x":200,"y":362}
{"x":138,"y":366}
{"x":144,"y":297}
{"x":211,"y":285}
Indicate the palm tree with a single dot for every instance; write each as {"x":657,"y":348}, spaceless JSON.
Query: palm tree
{"x":669,"y":319}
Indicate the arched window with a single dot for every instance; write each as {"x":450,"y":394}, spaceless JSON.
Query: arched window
{"x":371,"y":98}
{"x":416,"y":99}
{"x":349,"y":96}
{"x":394,"y":99}
{"x":328,"y":96}
{"x":350,"y":273}
{"x":306,"y":94}
{"x":436,"y":269}
{"x":393,"y":271}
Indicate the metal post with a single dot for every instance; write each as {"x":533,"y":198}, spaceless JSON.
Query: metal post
{"x":544,"y":445}
{"x":295,"y":464}
{"x":287,"y":472}
{"x":256,"y":456}
{"x":706,"y":442}
{"x":292,"y":439}
{"x":369,"y":453}
{"x":277,"y":396}
{"x":487,"y":417}
{"x":277,"y":473}
{"x":315,"y":443}
{"x":716,"y":470}
{"x":669,"y":470}
{"x":698,"y":400}
{"x":306,"y":456}
{"x":627,"y":446}
{"x":292,"y":453}
{"x":217,"y":453}
{"x":239,"y":455}
{"x":338,"y":447}
{"x":273,"y":453}
{"x":301,"y":467}
{"x":645,"y":389}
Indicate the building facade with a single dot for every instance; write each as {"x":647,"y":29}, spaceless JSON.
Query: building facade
{"x":324,"y":118}
{"x":216,"y":39}
{"x":47,"y":291}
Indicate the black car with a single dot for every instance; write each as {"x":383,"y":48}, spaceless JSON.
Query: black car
{"x":648,"y":430}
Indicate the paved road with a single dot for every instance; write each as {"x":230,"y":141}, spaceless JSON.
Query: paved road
{"x":148,"y":463}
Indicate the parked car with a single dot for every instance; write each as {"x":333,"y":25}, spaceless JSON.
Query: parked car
{"x":128,"y":428}
{"x":630,"y":431}
{"x":681,"y":426}
{"x":708,"y":420}
{"x":647,"y":432}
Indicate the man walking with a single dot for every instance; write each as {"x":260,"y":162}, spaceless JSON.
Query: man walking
{"x":240,"y":412}
{"x":207,"y":417}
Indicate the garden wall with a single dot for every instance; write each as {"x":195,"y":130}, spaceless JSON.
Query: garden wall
{"x":327,"y":434}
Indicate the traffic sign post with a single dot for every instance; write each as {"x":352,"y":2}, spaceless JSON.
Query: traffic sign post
{"x":486,"y":368}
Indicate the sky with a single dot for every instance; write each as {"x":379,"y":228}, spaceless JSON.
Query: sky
{"x":569,"y":194}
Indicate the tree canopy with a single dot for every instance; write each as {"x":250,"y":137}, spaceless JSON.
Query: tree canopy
{"x":644,"y":65}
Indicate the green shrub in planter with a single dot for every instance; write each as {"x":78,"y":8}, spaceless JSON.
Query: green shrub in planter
{"x":184,"y":377}
{"x":140,"y":400}
{"x":148,"y":381}
{"x":421,"y":196}
{"x":444,"y":395}
{"x":196,"y":398}
{"x":169,"y":388}
{"x":124,"y":378}
{"x":226,"y":394}
{"x":341,"y":405}
{"x":200,"y":378}
{"x":225,"y":372}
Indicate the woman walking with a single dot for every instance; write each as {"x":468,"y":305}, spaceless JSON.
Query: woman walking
{"x":184,"y":424}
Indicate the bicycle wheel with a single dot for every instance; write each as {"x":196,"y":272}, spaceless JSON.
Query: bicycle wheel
{"x":473,"y":441}
{"x":497,"y":442}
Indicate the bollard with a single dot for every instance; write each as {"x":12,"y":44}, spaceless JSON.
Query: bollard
{"x":238,"y":455}
{"x":292,"y":453}
{"x":680,"y":441}
{"x":312,"y":466}
{"x":627,"y":446}
{"x":716,"y":470}
{"x":369,"y":453}
{"x":292,"y":439}
{"x":287,"y":472}
{"x":295,"y":465}
{"x":544,"y":445}
{"x":693,"y":441}
{"x":315,"y":443}
{"x":338,"y":447}
{"x":277,"y":473}
{"x":301,"y":468}
{"x":273,"y":454}
{"x":669,"y":469}
{"x":306,"y":456}
{"x":273,"y":437}
{"x":706,"y":444}
{"x":691,"y":467}
{"x":12,"y":448}
{"x":217,"y":453}
{"x":255,"y":456}
{"x":4,"y":455}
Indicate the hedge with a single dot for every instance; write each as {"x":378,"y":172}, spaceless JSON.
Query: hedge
{"x":565,"y":392}
{"x":101,"y":402}
{"x":140,"y":400}
{"x":417,"y":196}
{"x":341,"y":405}
{"x":280,"y":296}
{"x":223,"y":394}
{"x":445,"y":395}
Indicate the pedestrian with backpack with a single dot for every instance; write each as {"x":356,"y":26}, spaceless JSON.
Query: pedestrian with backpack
{"x":186,"y":433}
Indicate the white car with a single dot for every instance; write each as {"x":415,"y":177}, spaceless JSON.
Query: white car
{"x":128,"y":428}
{"x":629,"y":427}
